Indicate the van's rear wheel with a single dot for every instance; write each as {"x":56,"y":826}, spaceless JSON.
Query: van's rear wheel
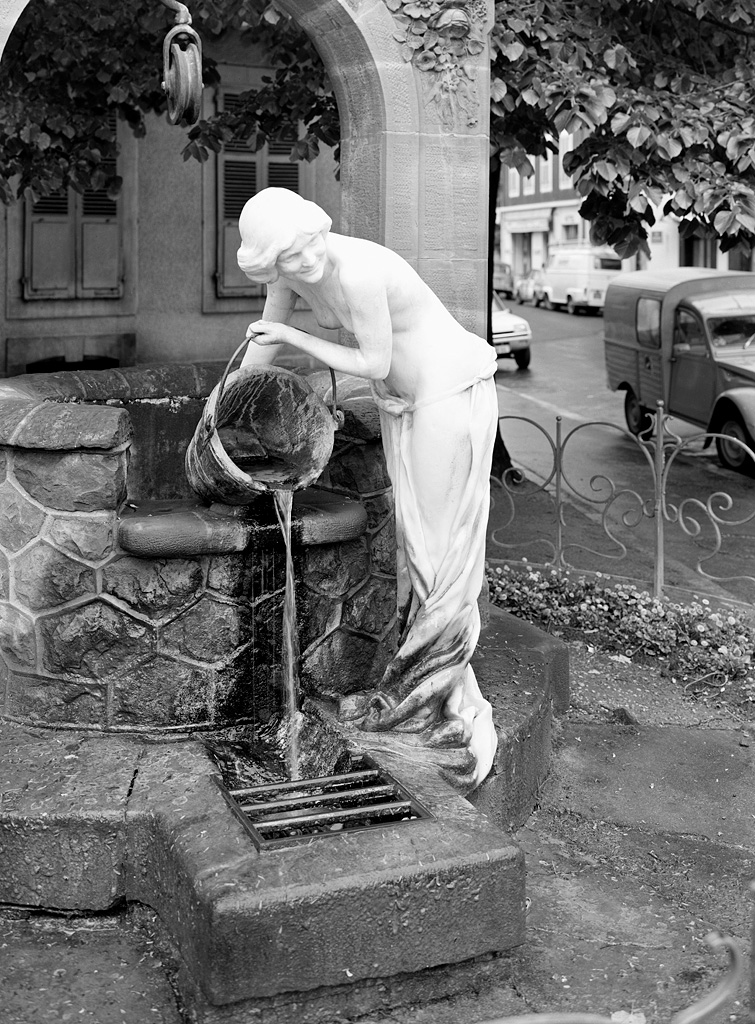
{"x":639,"y":419}
{"x":547,"y":304}
{"x":730,"y":453}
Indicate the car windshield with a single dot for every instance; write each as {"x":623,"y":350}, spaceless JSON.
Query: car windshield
{"x":736,"y":331}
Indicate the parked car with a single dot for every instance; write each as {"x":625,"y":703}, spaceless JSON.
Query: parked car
{"x":529,"y":287}
{"x":686,"y":337}
{"x":578,"y":278}
{"x":503,"y":280}
{"x":511,"y":334}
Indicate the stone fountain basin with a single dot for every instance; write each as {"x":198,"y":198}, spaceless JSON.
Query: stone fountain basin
{"x":112,"y":667}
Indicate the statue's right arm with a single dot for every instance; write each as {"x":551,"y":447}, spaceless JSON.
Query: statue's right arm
{"x":279,"y":307}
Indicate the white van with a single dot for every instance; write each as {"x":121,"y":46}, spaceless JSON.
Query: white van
{"x":577,"y":278}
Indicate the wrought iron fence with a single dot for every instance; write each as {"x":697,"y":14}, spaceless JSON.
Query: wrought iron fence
{"x":616,"y":509}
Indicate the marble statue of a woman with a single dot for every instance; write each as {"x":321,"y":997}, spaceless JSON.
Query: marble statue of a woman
{"x":433,"y":383}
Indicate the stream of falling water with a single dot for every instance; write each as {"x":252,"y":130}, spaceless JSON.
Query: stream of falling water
{"x":283,"y":506}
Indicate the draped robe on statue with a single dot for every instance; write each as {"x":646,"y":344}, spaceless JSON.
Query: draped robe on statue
{"x":438,"y":453}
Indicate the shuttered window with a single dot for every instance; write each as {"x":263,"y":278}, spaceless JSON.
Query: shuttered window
{"x":242,"y":173}
{"x":73,"y":246}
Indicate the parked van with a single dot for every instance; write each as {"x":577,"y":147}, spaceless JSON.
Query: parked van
{"x":686,"y":337}
{"x":577,"y":278}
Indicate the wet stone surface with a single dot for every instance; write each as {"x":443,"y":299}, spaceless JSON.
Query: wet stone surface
{"x":20,"y":519}
{"x":161,"y":692}
{"x":90,"y":538}
{"x":93,"y":640}
{"x":334,"y":570}
{"x":45,"y":577}
{"x":72,"y":481}
{"x":155,"y":587}
{"x":372,"y":608}
{"x":209,"y":631}
{"x":17,"y":638}
{"x":52,"y":701}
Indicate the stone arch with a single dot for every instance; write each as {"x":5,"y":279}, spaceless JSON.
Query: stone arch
{"x":410,"y":179}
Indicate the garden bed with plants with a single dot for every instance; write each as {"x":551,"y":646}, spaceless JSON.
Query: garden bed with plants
{"x":705,"y":654}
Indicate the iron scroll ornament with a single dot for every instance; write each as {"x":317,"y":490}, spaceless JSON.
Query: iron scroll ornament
{"x":182,"y":67}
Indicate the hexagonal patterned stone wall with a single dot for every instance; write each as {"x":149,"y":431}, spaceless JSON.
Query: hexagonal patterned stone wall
{"x":95,"y":635}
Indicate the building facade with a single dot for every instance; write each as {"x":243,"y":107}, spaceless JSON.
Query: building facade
{"x":90,"y":281}
{"x":538,"y":213}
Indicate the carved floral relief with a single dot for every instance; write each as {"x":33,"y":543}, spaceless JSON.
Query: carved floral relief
{"x":441,"y":38}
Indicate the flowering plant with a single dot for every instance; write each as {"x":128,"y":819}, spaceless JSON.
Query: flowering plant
{"x":695,"y":643}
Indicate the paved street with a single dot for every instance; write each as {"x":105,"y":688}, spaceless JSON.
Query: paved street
{"x":566,"y":378}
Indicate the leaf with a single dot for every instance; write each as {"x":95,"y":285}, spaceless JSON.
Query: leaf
{"x":669,"y":147}
{"x":512,"y":51}
{"x":530,"y":97}
{"x":638,"y":135}
{"x":654,"y":194}
{"x":724,"y":221}
{"x":606,"y":170}
{"x":639,"y":203}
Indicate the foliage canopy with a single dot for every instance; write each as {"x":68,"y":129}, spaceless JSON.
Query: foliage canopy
{"x":658,"y":94}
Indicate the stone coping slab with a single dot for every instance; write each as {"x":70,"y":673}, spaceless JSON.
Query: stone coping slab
{"x":87,"y":408}
{"x":172,"y":529}
{"x":536,"y":668}
{"x":35,"y":423}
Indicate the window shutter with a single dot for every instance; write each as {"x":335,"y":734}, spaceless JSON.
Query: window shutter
{"x":238,"y":182}
{"x":241,"y":174}
{"x":281,"y":171}
{"x":72,"y":245}
{"x":100,"y":262}
{"x":50,"y":255}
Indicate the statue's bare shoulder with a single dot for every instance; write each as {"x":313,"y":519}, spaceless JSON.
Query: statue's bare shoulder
{"x":367,"y":267}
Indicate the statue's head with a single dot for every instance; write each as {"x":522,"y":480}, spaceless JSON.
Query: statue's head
{"x":271,"y":222}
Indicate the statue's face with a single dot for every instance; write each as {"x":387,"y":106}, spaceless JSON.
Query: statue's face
{"x":305,"y":259}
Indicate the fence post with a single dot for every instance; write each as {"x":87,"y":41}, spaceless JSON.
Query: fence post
{"x":658,"y":466}
{"x":559,"y":497}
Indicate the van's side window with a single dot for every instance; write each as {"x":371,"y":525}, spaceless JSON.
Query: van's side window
{"x":649,"y":322}
{"x":688,"y":330}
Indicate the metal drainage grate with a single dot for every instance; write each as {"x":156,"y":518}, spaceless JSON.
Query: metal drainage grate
{"x":284,"y":813}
